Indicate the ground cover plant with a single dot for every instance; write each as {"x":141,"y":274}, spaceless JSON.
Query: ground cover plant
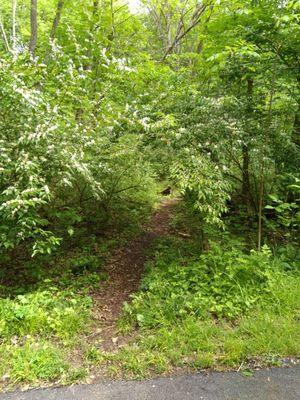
{"x":41,"y":321}
{"x":224,"y":308}
{"x":45,"y":320}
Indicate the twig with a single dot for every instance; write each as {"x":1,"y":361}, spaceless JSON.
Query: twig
{"x":240,"y":366}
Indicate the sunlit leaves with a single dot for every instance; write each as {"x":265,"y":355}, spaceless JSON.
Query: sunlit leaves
{"x":197,"y":175}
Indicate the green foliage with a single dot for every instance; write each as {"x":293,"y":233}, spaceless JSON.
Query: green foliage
{"x":84,"y":263}
{"x":47,"y":312}
{"x":90,"y":122}
{"x":55,"y":166}
{"x":221,"y":283}
{"x":222,"y":309}
{"x":289,"y":256}
{"x":24,"y":187}
{"x":109,"y":105}
{"x":32,"y":362}
{"x":204,"y":182}
{"x":93,"y":355}
{"x":286,"y":207}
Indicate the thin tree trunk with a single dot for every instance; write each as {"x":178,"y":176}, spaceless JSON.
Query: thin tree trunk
{"x":246,"y":187}
{"x":296,"y":128}
{"x":57,"y":18}
{"x":6,"y":43}
{"x":262,"y":170}
{"x":14,"y":37}
{"x":260,"y":208}
{"x":34,"y":27}
{"x":183,"y":30}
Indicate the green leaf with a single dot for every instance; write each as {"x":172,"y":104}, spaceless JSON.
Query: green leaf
{"x":70,"y":231}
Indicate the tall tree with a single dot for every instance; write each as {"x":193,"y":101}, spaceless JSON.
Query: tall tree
{"x":174,"y":20}
{"x":4,"y":36}
{"x":14,"y":11}
{"x":33,"y":27}
{"x":59,"y":8}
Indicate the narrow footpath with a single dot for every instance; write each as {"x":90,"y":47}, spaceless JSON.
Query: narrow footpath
{"x":125,"y":269}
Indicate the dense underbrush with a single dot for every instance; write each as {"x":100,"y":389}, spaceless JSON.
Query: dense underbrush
{"x":46,"y":301}
{"x":227,"y":307}
{"x":223,"y":284}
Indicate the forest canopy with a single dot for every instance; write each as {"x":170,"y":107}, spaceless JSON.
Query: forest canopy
{"x":97,"y":103}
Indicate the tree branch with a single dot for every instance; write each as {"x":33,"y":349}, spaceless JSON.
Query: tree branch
{"x":194,"y":21}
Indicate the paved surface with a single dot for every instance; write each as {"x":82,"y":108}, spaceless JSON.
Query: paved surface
{"x":272,"y":384}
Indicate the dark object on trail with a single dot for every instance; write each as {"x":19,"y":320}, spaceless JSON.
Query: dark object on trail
{"x":167,"y":191}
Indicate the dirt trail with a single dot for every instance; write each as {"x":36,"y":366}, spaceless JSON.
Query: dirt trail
{"x":125,"y":270}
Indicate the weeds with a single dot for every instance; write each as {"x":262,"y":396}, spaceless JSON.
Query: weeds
{"x":32,"y":361}
{"x":224,"y":284}
{"x":217,"y":310}
{"x":40,"y":322}
{"x":44,"y":312}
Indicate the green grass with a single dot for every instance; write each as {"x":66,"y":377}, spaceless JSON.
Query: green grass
{"x":46,"y":302}
{"x":219,"y":309}
{"x":43,"y":320}
{"x":197,"y":344}
{"x":47,"y":312}
{"x":32,"y":361}
{"x":38,"y":330}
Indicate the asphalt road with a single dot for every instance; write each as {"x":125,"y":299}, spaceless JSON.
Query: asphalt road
{"x":272,"y":384}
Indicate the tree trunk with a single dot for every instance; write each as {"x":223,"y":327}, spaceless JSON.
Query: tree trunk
{"x":57,"y":18}
{"x":296,"y":127}
{"x":4,"y":36}
{"x":246,"y":186}
{"x":262,"y":170}
{"x":34,"y":27}
{"x":14,"y":11}
{"x":260,"y":209}
{"x":296,"y":130}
